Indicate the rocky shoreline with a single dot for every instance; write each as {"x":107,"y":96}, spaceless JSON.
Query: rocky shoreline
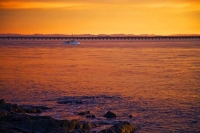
{"x":18,"y":119}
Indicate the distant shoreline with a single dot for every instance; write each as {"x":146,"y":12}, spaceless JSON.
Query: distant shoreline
{"x":106,"y":37}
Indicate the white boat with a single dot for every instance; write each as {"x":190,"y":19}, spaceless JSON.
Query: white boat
{"x":73,"y":42}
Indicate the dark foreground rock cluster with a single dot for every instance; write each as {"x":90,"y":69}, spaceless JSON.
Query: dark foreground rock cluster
{"x":14,"y":119}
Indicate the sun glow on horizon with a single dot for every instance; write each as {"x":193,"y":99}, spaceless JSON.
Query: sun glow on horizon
{"x":94,"y":17}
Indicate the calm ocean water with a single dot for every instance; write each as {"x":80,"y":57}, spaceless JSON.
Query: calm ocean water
{"x":157,"y":82}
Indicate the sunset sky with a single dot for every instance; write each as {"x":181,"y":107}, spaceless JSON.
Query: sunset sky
{"x":161,"y":17}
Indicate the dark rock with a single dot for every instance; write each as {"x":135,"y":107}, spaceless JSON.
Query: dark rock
{"x":70,"y":102}
{"x":45,"y":124}
{"x":42,"y":107}
{"x":33,"y":109}
{"x":11,"y":108}
{"x":75,"y":124}
{"x":79,"y":102}
{"x":93,"y":116}
{"x":103,"y":123}
{"x":122,"y":127}
{"x":14,"y":120}
{"x":85,"y":126}
{"x":3,"y":112}
{"x":84,"y":113}
{"x":58,"y":131}
{"x":78,"y":131}
{"x":2,"y":101}
{"x":110,"y":114}
{"x":130,"y":116}
{"x":40,"y":124}
{"x":90,"y":116}
{"x":72,"y":125}
{"x":68,"y":125}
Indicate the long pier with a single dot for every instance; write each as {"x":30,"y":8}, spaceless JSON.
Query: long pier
{"x":96,"y":37}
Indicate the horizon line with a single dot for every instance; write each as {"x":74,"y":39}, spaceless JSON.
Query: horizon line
{"x":88,"y":34}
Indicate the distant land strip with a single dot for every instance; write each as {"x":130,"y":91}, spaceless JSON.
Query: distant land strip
{"x":96,"y":37}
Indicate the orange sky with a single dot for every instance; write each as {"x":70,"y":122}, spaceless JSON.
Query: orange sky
{"x":162,"y":17}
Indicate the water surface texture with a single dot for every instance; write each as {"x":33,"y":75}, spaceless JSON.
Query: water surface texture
{"x":155,"y":81}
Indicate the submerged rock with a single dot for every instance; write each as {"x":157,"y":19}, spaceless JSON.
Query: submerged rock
{"x":33,"y":109}
{"x":2,"y":101}
{"x":72,"y":101}
{"x":130,"y":116}
{"x":122,"y":127}
{"x":90,"y":116}
{"x":84,"y":113}
{"x":110,"y":114}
